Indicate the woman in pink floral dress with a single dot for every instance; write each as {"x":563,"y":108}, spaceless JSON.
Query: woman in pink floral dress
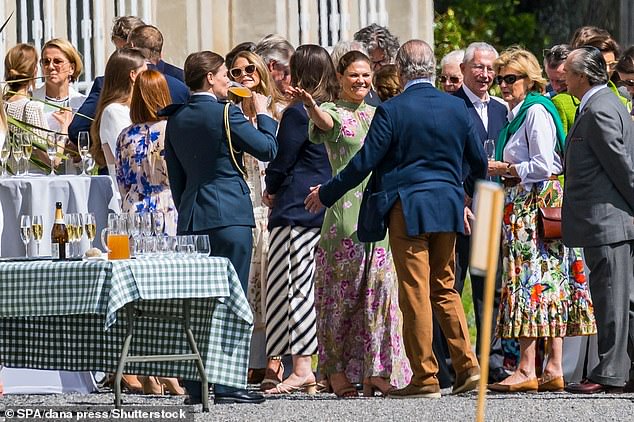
{"x":356,"y":296}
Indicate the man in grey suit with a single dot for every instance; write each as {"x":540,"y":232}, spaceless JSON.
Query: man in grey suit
{"x":598,"y":214}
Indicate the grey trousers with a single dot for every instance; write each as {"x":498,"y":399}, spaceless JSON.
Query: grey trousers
{"x":612,"y":288}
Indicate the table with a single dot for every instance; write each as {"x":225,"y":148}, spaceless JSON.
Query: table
{"x":69,"y":315}
{"x":36,"y":195}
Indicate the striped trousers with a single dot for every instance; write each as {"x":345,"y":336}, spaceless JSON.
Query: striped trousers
{"x":290,"y":294}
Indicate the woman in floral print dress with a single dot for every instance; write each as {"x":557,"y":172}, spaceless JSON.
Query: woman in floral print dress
{"x":356,"y":297}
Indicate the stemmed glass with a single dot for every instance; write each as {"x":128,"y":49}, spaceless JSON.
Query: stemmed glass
{"x":5,"y":152}
{"x":25,"y":232}
{"x":78,"y":221}
{"x":72,"y":232}
{"x":16,"y":150}
{"x":51,"y":150}
{"x":83,"y":142}
{"x":27,"y":150}
{"x":146,"y":224}
{"x":90,"y":225}
{"x":37,"y":227}
{"x":489,"y":148}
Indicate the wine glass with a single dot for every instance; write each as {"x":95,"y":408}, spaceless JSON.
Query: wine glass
{"x":51,"y":150}
{"x":146,"y":223}
{"x":37,"y":228}
{"x":78,"y":220}
{"x":72,"y":232}
{"x":16,"y":150}
{"x":27,"y":150}
{"x":489,"y":148}
{"x":25,"y":232}
{"x":5,"y":152}
{"x":90,"y":226}
{"x":83,"y":142}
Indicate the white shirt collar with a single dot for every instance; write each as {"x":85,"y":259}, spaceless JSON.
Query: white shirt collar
{"x":515,"y":110}
{"x":417,"y":81}
{"x":589,"y":93}
{"x":474,"y":98}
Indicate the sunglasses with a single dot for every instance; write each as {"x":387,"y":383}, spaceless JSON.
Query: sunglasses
{"x":628,"y":82}
{"x":452,"y":79}
{"x":236,"y":72}
{"x":508,"y":79}
{"x":56,"y":62}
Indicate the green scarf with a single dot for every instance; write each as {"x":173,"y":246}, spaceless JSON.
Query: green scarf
{"x":511,"y":127}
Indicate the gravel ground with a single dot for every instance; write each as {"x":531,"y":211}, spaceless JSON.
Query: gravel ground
{"x":552,"y":407}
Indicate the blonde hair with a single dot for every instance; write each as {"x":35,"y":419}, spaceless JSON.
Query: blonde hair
{"x":525,"y":62}
{"x":69,"y":51}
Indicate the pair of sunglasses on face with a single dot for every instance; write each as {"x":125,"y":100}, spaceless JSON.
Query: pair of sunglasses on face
{"x":508,"y":79}
{"x":628,"y":82}
{"x":452,"y":79}
{"x":236,"y":72}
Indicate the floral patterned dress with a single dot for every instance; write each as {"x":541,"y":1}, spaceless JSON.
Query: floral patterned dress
{"x":545,"y":292}
{"x":359,"y":324}
{"x":142,"y":172}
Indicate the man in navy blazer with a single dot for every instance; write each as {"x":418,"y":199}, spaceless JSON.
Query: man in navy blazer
{"x":489,"y":117}
{"x":149,"y":40}
{"x":415,"y":147}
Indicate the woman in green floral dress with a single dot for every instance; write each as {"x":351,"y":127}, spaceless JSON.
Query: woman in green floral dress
{"x":356,"y":297}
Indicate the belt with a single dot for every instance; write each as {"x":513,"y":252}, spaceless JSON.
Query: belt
{"x":509,"y":182}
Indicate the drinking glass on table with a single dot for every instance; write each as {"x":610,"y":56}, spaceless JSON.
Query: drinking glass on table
{"x":202,"y":244}
{"x":25,"y":232}
{"x":185,"y":245}
{"x":158,"y":223}
{"x":79,"y":228}
{"x":16,"y":150}
{"x":5,"y":152}
{"x":37,"y":228}
{"x":146,"y":224}
{"x":27,"y":150}
{"x":51,"y":151}
{"x":83,"y":143}
{"x":90,"y":226}
{"x":72,"y":233}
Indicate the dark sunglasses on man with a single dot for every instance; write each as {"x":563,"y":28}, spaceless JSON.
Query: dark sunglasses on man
{"x":508,"y":79}
{"x":628,"y":82}
{"x":452,"y":79}
{"x":236,"y":72}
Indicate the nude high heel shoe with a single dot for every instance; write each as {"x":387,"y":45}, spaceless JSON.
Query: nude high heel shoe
{"x":172,"y":386}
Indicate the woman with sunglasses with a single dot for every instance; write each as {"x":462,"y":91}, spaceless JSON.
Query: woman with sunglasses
{"x":249,"y":70}
{"x":61,"y":66}
{"x":356,"y":296}
{"x":544,"y":292}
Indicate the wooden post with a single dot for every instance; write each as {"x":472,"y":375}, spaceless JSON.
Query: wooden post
{"x":485,"y":246}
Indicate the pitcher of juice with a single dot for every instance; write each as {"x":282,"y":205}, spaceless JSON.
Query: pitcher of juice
{"x":115,"y":237}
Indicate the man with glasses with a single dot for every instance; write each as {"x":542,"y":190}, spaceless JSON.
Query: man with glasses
{"x":489,"y":116}
{"x":450,"y":78}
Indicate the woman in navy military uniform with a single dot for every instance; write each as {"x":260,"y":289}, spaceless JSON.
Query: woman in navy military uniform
{"x":206,"y":174}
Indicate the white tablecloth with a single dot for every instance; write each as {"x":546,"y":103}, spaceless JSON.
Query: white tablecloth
{"x":36,"y":195}
{"x":40,"y":381}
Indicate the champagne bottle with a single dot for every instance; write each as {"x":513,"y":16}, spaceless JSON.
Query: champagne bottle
{"x":59,"y":235}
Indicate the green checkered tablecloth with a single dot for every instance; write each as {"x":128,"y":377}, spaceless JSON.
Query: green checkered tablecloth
{"x":69,"y":315}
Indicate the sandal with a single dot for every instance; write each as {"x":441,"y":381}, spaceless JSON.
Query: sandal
{"x":373,"y":384}
{"x":271,"y":381}
{"x":287,"y":388}
{"x":341,"y":386}
{"x":323,"y":386}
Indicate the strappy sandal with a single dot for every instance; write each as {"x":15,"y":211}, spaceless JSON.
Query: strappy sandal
{"x":323,"y":386}
{"x":345,"y":390}
{"x":269,"y":382}
{"x":283,"y":388}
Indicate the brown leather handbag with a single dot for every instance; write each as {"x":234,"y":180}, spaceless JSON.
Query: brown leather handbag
{"x":549,"y":223}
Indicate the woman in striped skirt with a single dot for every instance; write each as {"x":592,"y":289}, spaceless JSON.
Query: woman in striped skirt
{"x":294,"y":232}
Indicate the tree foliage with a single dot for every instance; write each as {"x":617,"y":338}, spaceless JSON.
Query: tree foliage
{"x":500,"y":23}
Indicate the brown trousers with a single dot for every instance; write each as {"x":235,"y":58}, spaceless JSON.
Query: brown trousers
{"x":425,"y":268}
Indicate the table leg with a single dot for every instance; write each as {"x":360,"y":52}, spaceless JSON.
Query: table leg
{"x":129,"y":309}
{"x":204,"y":386}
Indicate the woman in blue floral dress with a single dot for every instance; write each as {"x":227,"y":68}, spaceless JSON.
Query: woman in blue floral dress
{"x":140,"y":164}
{"x":356,"y":297}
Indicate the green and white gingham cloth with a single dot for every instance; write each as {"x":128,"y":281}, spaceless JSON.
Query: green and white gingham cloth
{"x":69,"y":315}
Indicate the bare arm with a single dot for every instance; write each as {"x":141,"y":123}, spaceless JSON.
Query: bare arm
{"x":321,"y":119}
